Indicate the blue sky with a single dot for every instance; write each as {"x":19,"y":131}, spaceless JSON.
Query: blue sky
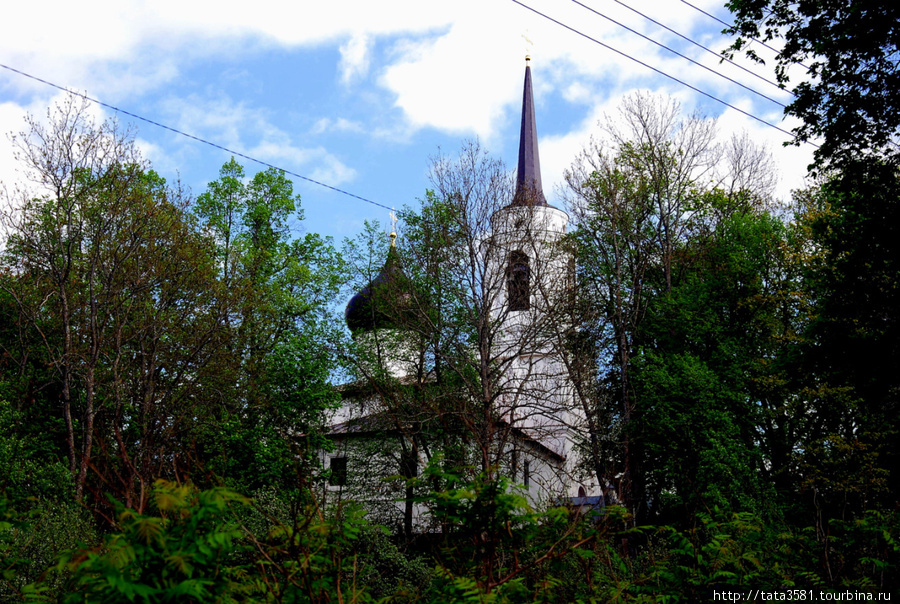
{"x":359,"y":95}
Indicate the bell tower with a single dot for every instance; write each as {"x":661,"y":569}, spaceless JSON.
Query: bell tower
{"x":533,"y":279}
{"x":527,"y":233}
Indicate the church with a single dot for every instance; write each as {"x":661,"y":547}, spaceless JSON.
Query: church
{"x":518,"y":418}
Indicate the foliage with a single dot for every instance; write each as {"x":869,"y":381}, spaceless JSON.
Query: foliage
{"x":13,"y":531}
{"x":24,"y":469}
{"x":847,"y":95}
{"x":113,"y":298}
{"x":275,"y":383}
{"x":661,"y":242}
{"x":177,"y":554}
{"x":40,"y":532}
{"x":708,"y":347}
{"x":853,"y":333}
{"x":194,"y":548}
{"x":273,"y":442}
{"x":718,"y":552}
{"x":495,"y":546}
{"x":314,"y":557}
{"x":391,"y":570}
{"x":741,"y":550}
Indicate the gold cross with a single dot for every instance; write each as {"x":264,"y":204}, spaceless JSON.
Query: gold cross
{"x":528,"y":45}
{"x":393,"y":227}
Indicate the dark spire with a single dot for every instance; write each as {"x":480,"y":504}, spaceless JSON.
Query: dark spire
{"x":529,"y":191}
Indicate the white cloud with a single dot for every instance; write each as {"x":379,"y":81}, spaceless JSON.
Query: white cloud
{"x":12,"y":120}
{"x":455,"y":81}
{"x":251,"y":132}
{"x":326,"y":125}
{"x":112,"y":48}
{"x":355,"y":57}
{"x":328,"y":169}
{"x":454,"y":69}
{"x":577,"y":92}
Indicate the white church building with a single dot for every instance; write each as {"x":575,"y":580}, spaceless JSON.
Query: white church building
{"x":537,"y":426}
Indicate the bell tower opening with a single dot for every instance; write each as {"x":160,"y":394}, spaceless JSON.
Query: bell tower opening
{"x":518,"y":276}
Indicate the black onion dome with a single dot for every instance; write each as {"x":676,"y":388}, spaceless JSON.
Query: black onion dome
{"x":380,"y":303}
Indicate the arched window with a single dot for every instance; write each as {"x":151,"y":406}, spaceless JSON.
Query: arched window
{"x":518,"y":274}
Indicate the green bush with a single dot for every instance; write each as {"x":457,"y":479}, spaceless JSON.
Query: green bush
{"x":178,"y":554}
{"x":39,"y":537}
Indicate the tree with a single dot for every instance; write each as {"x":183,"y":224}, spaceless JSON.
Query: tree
{"x":851,"y":351}
{"x":106,"y":269}
{"x":646,"y":199}
{"x":278,"y":288}
{"x":671,"y":156}
{"x":848,"y":94}
{"x":615,"y":239}
{"x":706,"y":373}
{"x":161,"y":331}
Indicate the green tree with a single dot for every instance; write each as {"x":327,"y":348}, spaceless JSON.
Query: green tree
{"x":646,"y":197}
{"x":279,"y":287}
{"x":704,"y":373}
{"x":108,"y":274}
{"x":852,"y":352}
{"x":847,"y":95}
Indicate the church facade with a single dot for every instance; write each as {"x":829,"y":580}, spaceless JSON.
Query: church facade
{"x":534,"y":427}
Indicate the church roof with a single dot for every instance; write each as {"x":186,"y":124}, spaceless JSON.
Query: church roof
{"x":529,"y":191}
{"x":375,"y":306}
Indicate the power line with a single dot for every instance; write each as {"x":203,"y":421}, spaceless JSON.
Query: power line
{"x":191,"y":136}
{"x":675,"y":52}
{"x":709,"y":50}
{"x":659,"y":71}
{"x":730,"y":25}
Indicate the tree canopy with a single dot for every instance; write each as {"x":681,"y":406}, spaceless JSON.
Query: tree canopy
{"x":729,"y":369}
{"x":840,"y":60}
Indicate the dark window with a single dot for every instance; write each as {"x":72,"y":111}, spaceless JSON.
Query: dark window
{"x":338,"y":467}
{"x":526,"y":473}
{"x":518,"y":274}
{"x":571,"y":274}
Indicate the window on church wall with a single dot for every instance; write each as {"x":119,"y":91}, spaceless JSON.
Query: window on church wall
{"x":338,"y":467}
{"x":518,"y":275}
{"x":571,"y":274}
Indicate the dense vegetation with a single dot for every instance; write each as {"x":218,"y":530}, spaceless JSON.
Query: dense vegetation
{"x":167,"y":364}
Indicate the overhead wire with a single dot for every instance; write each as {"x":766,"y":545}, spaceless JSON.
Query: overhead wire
{"x":657,"y":70}
{"x":522,"y":4}
{"x":193,"y":137}
{"x":709,"y":50}
{"x":730,"y":25}
{"x":675,"y":52}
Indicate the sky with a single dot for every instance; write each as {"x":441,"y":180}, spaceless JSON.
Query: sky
{"x":361,"y":95}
